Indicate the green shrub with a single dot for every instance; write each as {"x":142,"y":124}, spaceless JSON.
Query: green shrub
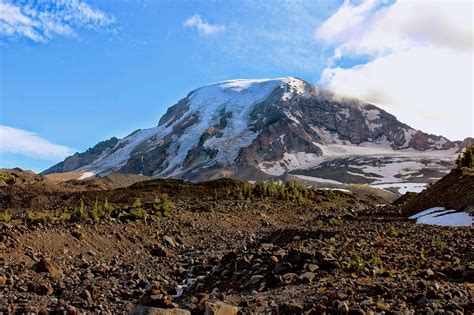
{"x":162,"y":206}
{"x":108,"y":208}
{"x":5,"y":216}
{"x":439,"y":244}
{"x":376,"y":260}
{"x":82,"y":211}
{"x":139,"y":213}
{"x":357,"y":263}
{"x":7,"y":178}
{"x":394,"y":231}
{"x":29,"y":217}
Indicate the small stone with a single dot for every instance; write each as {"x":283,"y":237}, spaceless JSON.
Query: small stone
{"x":342,"y":307}
{"x":429,"y":273}
{"x":307,"y":277}
{"x":169,"y":241}
{"x":256,"y":279}
{"x":44,"y":289}
{"x":312,"y":267}
{"x":282,"y":267}
{"x":272,"y":260}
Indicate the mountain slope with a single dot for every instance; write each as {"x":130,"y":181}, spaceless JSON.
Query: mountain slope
{"x":256,"y":129}
{"x":454,"y":191}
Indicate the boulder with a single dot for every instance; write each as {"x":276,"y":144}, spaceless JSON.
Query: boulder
{"x":219,"y":308}
{"x":147,"y":310}
{"x":48,"y":266}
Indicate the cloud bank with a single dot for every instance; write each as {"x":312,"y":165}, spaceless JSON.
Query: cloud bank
{"x":42,"y":20}
{"x":202,"y":26}
{"x":420,"y":64}
{"x":23,"y":142}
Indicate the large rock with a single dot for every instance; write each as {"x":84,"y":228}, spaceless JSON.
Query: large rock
{"x":48,"y":266}
{"x":218,"y":308}
{"x":147,"y":310}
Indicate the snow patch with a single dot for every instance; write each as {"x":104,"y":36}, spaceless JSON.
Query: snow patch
{"x":370,"y":116}
{"x":409,"y":133}
{"x":441,"y":216}
{"x":294,"y":86}
{"x":318,"y":179}
{"x":86,"y":175}
{"x":290,"y":161}
{"x":403,"y":188}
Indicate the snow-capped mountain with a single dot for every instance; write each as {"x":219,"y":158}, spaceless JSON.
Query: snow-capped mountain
{"x":255,"y":129}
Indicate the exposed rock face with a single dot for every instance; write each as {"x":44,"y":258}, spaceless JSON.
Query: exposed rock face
{"x":79,"y":159}
{"x":251,"y":129}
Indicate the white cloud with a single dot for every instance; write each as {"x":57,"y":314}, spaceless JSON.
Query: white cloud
{"x":20,"y":141}
{"x":202,"y":26}
{"x":40,"y":21}
{"x":421,"y":66}
{"x":345,"y":22}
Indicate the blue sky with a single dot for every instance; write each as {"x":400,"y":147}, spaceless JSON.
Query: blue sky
{"x":77,"y":72}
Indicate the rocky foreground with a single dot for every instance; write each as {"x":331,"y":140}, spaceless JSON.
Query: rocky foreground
{"x":340,"y":255}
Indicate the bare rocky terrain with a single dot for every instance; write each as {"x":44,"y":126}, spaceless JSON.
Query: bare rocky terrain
{"x":222,"y":247}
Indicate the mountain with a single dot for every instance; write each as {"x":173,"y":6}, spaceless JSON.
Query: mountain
{"x":260,"y":129}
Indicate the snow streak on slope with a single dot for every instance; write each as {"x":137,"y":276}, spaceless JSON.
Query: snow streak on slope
{"x":237,"y":97}
{"x":124,"y":148}
{"x":289,"y":162}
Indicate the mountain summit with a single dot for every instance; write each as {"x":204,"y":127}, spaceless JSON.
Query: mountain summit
{"x":256,"y":129}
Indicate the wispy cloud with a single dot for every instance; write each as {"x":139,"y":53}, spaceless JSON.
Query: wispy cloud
{"x":415,"y":63}
{"x":42,"y":20}
{"x":269,"y":36}
{"x":202,"y":26}
{"x":24,"y":142}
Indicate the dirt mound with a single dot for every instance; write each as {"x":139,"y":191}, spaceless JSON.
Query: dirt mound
{"x":122,"y":180}
{"x":17,"y":176}
{"x":453,"y":191}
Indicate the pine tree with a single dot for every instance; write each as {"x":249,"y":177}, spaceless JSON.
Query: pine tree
{"x":467,"y":160}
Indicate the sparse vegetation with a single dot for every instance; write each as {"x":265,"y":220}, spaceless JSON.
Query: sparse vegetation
{"x":289,"y":191}
{"x":160,"y":207}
